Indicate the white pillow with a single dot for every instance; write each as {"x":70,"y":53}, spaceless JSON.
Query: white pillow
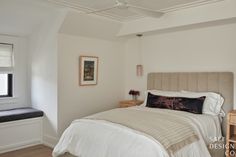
{"x":212,"y":104}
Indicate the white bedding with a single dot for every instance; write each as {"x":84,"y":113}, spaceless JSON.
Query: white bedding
{"x":95,"y":138}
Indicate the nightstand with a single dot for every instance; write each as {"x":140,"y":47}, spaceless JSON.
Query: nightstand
{"x":129,"y":103}
{"x":231,"y":132}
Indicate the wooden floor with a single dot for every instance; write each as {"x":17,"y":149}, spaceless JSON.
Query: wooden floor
{"x":36,"y":151}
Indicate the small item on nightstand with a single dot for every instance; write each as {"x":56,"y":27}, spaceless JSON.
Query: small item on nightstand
{"x":231,"y":133}
{"x":134,"y":94}
{"x":129,"y":103}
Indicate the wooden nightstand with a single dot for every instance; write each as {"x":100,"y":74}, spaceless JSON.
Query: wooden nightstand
{"x":129,"y":103}
{"x":231,"y":131}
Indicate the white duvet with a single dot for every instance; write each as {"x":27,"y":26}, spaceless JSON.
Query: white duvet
{"x":96,"y":138}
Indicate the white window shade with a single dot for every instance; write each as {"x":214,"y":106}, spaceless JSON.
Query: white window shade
{"x":6,"y":56}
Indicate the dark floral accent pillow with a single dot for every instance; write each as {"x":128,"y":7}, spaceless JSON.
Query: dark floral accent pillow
{"x":193,"y":105}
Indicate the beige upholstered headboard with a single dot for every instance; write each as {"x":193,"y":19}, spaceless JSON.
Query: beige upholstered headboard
{"x":219,"y":82}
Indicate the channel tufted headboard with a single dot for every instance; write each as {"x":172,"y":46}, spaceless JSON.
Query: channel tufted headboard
{"x":219,"y":82}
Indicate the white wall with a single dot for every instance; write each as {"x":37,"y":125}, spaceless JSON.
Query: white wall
{"x":20,"y":87}
{"x":194,"y":49}
{"x":76,"y":101}
{"x":43,"y":67}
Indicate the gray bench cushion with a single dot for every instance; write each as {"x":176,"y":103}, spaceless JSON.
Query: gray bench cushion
{"x":19,"y":114}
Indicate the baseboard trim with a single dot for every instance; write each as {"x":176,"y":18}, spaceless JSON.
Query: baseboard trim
{"x":50,"y":141}
{"x":20,"y":145}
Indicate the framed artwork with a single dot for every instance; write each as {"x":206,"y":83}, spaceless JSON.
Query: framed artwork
{"x":88,"y":70}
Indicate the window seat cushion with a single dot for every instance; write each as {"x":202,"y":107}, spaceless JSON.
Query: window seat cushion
{"x":19,"y":114}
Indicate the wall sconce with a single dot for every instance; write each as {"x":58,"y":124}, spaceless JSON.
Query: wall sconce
{"x":139,"y":67}
{"x":139,"y":70}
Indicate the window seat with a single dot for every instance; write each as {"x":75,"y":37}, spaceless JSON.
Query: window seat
{"x":19,"y":128}
{"x":19,"y":114}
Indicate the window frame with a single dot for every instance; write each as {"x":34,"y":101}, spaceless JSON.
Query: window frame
{"x":9,"y":71}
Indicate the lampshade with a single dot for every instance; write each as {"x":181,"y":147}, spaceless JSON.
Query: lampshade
{"x":139,"y":70}
{"x":139,"y":66}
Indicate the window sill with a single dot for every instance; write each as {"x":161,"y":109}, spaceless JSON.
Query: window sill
{"x":8,"y":100}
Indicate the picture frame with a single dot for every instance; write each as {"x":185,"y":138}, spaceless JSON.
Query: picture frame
{"x":88,"y":70}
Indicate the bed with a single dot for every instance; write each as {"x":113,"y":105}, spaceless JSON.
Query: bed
{"x":95,"y":136}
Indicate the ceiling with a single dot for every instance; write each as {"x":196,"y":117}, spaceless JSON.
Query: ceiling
{"x":125,"y":15}
{"x":90,"y":26}
{"x":21,"y":18}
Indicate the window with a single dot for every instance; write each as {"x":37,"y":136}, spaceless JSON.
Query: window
{"x":5,"y":85}
{"x":6,"y":70}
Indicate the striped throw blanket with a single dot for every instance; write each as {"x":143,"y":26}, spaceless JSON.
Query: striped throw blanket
{"x":171,"y":131}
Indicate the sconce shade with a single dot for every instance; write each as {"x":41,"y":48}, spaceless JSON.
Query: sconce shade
{"x":139,"y":70}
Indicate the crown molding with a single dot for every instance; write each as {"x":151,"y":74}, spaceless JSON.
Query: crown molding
{"x":189,"y":5}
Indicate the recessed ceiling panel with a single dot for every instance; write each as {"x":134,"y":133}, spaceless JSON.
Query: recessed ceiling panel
{"x":123,"y":14}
